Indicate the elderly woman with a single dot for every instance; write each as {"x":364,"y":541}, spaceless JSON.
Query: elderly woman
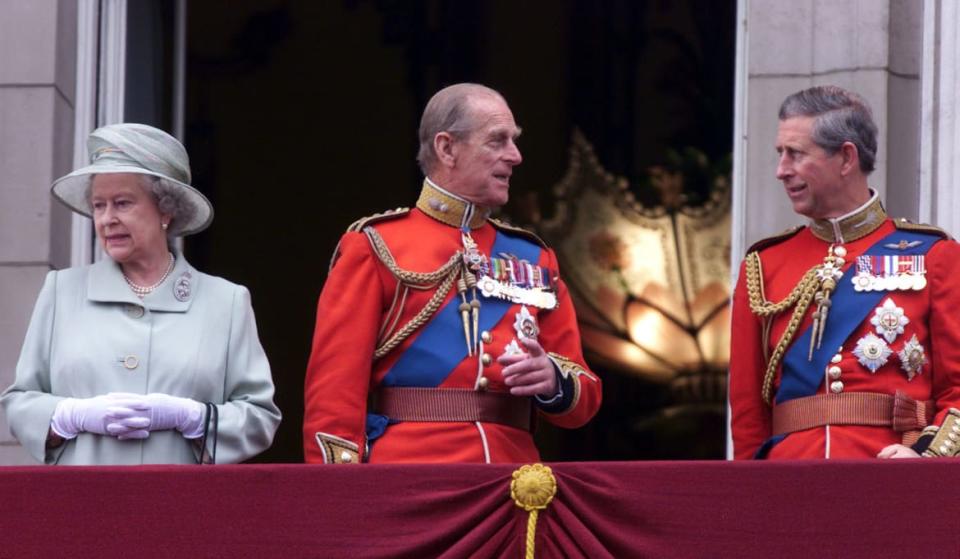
{"x":139,"y":358}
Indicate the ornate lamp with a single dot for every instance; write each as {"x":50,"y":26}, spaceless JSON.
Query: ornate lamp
{"x":651,"y":284}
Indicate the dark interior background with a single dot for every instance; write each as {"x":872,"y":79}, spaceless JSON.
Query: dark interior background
{"x":301,"y":117}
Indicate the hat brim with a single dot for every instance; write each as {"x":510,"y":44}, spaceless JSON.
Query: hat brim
{"x":72,"y":191}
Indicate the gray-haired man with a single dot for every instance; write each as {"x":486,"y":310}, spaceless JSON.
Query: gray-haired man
{"x":846,"y":341}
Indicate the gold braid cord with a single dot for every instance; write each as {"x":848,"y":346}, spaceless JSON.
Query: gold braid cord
{"x":801,"y":296}
{"x":532,"y":488}
{"x":444,"y":276}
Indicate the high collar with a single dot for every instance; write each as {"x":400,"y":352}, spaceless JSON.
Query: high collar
{"x":855,"y":225}
{"x":447,"y":207}
{"x":105,"y":284}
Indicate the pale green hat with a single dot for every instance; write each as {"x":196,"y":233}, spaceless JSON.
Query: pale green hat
{"x":141,"y":149}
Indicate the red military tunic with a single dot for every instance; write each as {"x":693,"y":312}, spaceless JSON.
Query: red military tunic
{"x":933,"y":318}
{"x":354,"y":305}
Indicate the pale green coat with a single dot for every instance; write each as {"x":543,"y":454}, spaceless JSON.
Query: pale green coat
{"x":90,"y":335}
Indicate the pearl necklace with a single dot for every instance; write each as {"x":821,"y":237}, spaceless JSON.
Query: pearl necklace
{"x":142,"y":291}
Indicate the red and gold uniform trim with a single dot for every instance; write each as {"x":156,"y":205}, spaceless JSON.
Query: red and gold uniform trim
{"x":571,"y":370}
{"x":946,"y":438}
{"x":336,"y":450}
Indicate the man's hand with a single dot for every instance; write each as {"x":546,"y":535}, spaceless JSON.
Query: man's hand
{"x":898,"y":451}
{"x":531,"y":373}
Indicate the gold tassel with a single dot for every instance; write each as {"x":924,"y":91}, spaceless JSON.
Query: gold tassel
{"x":828,"y":274}
{"x":532,"y":488}
{"x":464,"y":309}
{"x":471,"y":282}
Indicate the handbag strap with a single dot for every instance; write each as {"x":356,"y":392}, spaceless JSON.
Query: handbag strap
{"x":212,"y":415}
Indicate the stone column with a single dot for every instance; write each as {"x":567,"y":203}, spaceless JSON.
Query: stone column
{"x":872,"y":47}
{"x":940,"y":132}
{"x":37,"y":84}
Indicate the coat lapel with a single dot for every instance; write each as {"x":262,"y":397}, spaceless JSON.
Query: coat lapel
{"x":105,"y":284}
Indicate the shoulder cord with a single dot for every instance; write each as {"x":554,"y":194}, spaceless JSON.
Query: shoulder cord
{"x":445,"y":276}
{"x":801,"y":295}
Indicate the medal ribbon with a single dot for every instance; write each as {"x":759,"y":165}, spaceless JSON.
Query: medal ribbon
{"x":517,"y":271}
{"x":438,"y":348}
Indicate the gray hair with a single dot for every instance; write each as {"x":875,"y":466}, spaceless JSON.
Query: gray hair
{"x":169,"y":198}
{"x":839,"y":116}
{"x":449,"y":110}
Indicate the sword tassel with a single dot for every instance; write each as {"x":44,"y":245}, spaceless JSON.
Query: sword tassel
{"x":464,"y":309}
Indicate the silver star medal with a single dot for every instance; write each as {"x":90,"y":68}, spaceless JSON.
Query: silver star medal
{"x":912,"y":357}
{"x":889,"y":320}
{"x":872,"y":352}
{"x":513,"y":348}
{"x":525,"y":324}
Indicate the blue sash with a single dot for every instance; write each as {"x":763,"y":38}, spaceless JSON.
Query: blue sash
{"x":850,"y":308}
{"x":440,"y":347}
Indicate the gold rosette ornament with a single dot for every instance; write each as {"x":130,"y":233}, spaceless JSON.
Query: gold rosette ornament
{"x":532,"y":489}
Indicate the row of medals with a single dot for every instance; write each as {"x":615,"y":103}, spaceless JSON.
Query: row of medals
{"x":912,"y":280}
{"x":899,"y":282}
{"x":871,"y":350}
{"x":491,"y":287}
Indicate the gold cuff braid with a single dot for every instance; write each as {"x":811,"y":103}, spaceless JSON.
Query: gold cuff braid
{"x":336,"y":450}
{"x":573,"y":370}
{"x":946,"y":442}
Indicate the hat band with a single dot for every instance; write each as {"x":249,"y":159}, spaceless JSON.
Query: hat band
{"x":115,"y":157}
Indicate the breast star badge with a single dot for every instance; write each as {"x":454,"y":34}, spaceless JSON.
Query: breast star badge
{"x":872,"y":352}
{"x":889,"y":320}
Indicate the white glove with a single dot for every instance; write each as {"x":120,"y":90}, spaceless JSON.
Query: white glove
{"x":171,"y":412}
{"x":119,"y":415}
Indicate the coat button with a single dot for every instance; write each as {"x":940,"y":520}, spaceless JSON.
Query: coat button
{"x":836,"y":387}
{"x":836,"y":359}
{"x":135,"y":311}
{"x":483,"y":383}
{"x":486,"y":359}
{"x":131,"y":362}
{"x":834,"y":372}
{"x":486,"y":336}
{"x":346,"y":457}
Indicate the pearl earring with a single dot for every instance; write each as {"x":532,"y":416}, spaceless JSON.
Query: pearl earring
{"x":164,"y":225}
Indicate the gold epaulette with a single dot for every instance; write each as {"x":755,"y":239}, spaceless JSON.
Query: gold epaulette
{"x":529,"y":235}
{"x":359,"y":224}
{"x":772,"y":240}
{"x":907,"y":225}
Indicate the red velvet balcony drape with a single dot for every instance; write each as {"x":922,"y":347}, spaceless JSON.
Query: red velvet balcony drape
{"x":640,"y":509}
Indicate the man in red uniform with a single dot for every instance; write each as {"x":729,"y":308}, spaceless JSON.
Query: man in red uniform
{"x":441,"y":334}
{"x":846,"y":337}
